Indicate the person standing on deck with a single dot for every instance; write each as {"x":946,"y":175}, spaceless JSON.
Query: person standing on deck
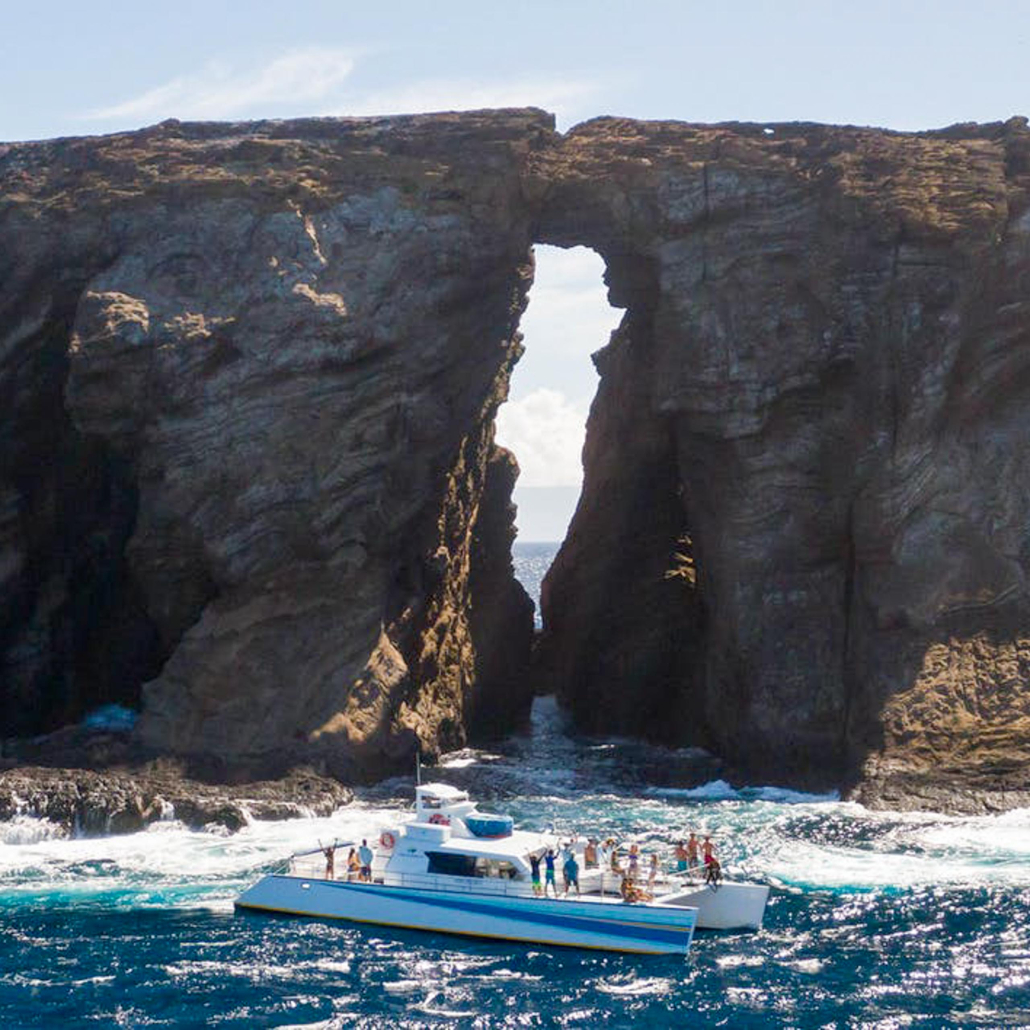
{"x":330,"y":853}
{"x":652,"y":872}
{"x":692,"y":850}
{"x":634,"y":860}
{"x":549,"y":872}
{"x":571,"y":871}
{"x":713,"y":872}
{"x":590,"y":854}
{"x":566,"y":858}
{"x":365,"y":857}
{"x":616,"y":864}
{"x":708,"y":851}
{"x":534,"y":866}
{"x":681,"y":857}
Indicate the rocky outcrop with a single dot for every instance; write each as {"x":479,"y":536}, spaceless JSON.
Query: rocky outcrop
{"x":249,"y":375}
{"x":825,"y":356}
{"x":84,"y":802}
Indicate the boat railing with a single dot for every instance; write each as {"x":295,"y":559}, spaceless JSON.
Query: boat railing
{"x":592,"y":879}
{"x":312,"y":864}
{"x":493,"y":885}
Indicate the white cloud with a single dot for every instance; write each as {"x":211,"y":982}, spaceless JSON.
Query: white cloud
{"x":545,"y":431}
{"x":300,"y":78}
{"x":314,"y":81}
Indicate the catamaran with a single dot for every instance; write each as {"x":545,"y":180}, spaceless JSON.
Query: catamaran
{"x":454,"y":869}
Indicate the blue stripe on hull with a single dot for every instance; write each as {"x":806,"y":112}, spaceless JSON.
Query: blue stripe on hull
{"x":456,"y":933}
{"x":535,"y":912}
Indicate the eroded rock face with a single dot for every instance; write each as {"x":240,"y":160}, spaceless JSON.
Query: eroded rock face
{"x":249,"y":375}
{"x":827,"y":338}
{"x":286,"y":343}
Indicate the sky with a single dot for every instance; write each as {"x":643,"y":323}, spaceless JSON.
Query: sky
{"x":69,"y":67}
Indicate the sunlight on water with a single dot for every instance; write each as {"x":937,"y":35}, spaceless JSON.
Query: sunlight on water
{"x":875,"y":917}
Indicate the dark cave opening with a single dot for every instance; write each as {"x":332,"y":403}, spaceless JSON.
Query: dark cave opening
{"x":74,"y":633}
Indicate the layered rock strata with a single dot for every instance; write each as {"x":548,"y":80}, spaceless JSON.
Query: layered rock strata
{"x":824,"y":361}
{"x":249,"y":375}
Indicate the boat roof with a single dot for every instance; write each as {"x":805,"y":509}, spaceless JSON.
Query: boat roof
{"x":443,"y":791}
{"x":516,"y":845}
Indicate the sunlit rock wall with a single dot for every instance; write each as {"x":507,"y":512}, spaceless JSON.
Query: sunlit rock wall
{"x":251,"y":373}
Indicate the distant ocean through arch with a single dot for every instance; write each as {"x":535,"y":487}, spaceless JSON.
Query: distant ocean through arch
{"x":531,"y":562}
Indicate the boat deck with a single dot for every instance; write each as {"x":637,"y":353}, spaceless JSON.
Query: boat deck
{"x":595,"y":885}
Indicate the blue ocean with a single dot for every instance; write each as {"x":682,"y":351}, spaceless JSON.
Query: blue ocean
{"x":875,"y":920}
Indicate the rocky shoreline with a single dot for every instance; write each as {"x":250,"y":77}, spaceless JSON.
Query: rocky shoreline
{"x":95,"y":784}
{"x":81,"y":802}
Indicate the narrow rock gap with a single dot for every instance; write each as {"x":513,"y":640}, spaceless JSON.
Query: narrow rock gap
{"x":544,"y":421}
{"x":619,"y":620}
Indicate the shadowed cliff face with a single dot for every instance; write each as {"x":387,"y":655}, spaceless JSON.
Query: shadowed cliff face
{"x":249,"y":376}
{"x":817,"y":384}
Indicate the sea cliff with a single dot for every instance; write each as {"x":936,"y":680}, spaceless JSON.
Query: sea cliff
{"x":249,"y":486}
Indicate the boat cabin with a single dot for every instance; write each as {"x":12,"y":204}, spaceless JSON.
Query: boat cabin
{"x":449,"y":837}
{"x":439,"y":803}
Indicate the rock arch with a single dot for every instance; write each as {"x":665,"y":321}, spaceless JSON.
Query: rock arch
{"x":802,"y":540}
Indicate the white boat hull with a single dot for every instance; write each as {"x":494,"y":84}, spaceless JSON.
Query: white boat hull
{"x":728,"y":906}
{"x":606,"y":924}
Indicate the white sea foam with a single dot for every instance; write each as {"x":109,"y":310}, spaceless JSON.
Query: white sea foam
{"x":720,"y":790}
{"x":797,"y":840}
{"x":25,"y":829}
{"x":904,"y":850}
{"x":167,"y":864}
{"x":635,"y":987}
{"x":783,"y":796}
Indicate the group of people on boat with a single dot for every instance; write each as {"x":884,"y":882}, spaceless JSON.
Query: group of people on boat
{"x":549,"y":859}
{"x":687,"y":853}
{"x":636,"y":874}
{"x":359,"y":862}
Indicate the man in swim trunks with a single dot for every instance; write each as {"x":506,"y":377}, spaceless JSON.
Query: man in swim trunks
{"x":692,"y":850}
{"x":549,"y":872}
{"x":534,"y":866}
{"x":681,"y":856}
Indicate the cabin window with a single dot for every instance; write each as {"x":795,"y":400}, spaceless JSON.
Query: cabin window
{"x":452,"y":865}
{"x":496,"y":868}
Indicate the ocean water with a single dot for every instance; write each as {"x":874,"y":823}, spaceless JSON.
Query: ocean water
{"x":531,"y":562}
{"x":875,"y":919}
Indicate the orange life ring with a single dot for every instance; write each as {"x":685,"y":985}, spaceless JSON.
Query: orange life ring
{"x":387,"y":840}
{"x":439,"y":819}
